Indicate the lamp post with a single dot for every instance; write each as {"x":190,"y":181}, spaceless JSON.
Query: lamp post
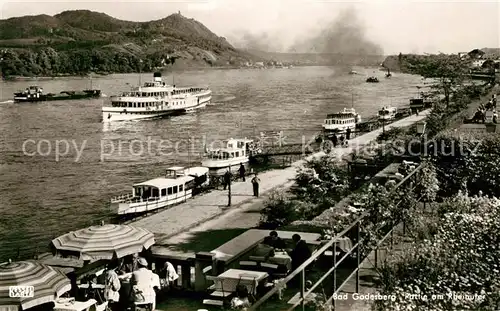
{"x":421,"y":131}
{"x":229,"y":188}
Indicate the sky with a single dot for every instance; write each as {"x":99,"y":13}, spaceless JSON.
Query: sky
{"x":396,"y":25}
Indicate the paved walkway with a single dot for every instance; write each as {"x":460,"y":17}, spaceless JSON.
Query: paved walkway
{"x":200,"y":209}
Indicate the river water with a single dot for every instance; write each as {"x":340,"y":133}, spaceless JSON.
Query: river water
{"x":44,"y":195}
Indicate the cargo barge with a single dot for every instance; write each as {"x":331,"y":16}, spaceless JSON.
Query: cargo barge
{"x":35,"y":94}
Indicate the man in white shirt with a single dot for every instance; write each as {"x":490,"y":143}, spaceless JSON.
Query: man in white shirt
{"x":143,"y":282}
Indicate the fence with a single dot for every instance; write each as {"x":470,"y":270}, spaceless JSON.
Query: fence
{"x":353,"y":230}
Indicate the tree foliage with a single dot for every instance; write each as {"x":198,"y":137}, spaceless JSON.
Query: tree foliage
{"x":467,"y":162}
{"x":321,"y":179}
{"x":445,"y":71}
{"x":462,"y":258}
{"x":50,"y":62}
{"x":319,"y":184}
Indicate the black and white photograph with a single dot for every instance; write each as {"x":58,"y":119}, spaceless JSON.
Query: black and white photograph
{"x":279,"y":155}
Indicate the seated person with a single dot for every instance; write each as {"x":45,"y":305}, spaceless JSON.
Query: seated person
{"x":241,"y":301}
{"x":143,"y":283}
{"x":274,"y":241}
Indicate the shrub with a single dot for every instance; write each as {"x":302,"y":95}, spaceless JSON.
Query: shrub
{"x":321,"y":179}
{"x":462,"y":258}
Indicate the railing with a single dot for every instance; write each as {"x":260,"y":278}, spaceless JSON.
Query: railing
{"x":122,"y":197}
{"x":132,"y":199}
{"x":356,"y":248}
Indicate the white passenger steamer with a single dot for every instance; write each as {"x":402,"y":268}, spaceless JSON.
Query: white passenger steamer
{"x":155,"y":99}
{"x":177,"y":186}
{"x":341,"y":121}
{"x":232,"y":153}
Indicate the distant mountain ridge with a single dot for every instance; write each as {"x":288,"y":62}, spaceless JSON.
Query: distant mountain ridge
{"x":43,"y":44}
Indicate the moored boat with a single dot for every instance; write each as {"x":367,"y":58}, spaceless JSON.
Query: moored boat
{"x":35,"y":94}
{"x":387,"y":113}
{"x":178,"y":185}
{"x":155,"y":99}
{"x":233,"y":153}
{"x":341,"y":121}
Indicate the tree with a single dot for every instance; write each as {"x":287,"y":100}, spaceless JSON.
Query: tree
{"x":447,"y":71}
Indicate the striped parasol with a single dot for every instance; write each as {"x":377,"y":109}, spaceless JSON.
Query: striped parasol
{"x":47,"y":284}
{"x":103,"y":242}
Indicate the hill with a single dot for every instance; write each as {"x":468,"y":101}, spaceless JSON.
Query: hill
{"x":81,"y":41}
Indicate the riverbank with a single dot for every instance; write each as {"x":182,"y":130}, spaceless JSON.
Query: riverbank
{"x":183,"y":217}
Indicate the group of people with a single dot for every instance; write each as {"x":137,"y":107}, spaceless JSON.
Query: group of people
{"x":144,"y":284}
{"x":300,"y":252}
{"x":242,"y":173}
{"x":342,"y":140}
{"x":481,"y":116}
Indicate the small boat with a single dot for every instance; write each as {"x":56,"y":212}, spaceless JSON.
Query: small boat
{"x":353,"y":72}
{"x":372,"y":80}
{"x":387,"y":113}
{"x":178,"y":185}
{"x":341,"y":121}
{"x":35,"y":94}
{"x":233,"y":153}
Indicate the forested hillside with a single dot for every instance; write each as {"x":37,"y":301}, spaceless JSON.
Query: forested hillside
{"x":78,"y":42}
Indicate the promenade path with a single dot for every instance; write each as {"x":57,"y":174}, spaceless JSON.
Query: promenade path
{"x":192,"y":213}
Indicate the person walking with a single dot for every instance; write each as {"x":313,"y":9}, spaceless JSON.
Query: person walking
{"x":348,"y":134}
{"x":255,"y":184}
{"x":335,"y":140}
{"x":242,"y":171}
{"x":227,"y":179}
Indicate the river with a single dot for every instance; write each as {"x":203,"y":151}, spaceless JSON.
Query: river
{"x":44,"y":196}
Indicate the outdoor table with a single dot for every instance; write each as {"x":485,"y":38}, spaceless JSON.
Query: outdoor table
{"x":247,"y":275}
{"x":94,"y":286}
{"x":281,"y":258}
{"x":345,"y":244}
{"x":72,"y":305}
{"x":296,"y":298}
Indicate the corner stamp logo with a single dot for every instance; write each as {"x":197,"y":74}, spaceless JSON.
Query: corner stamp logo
{"x":21,"y":291}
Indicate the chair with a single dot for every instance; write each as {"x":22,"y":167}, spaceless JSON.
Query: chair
{"x":250,"y":265}
{"x":146,"y":305}
{"x":251,"y":285}
{"x":101,"y":307}
{"x":257,"y":258}
{"x":218,"y":287}
{"x":212,"y":302}
{"x":269,"y":267}
{"x":206,"y":270}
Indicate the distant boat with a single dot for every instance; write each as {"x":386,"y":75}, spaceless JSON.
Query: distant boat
{"x":35,"y":94}
{"x":372,"y":80}
{"x":353,"y":72}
